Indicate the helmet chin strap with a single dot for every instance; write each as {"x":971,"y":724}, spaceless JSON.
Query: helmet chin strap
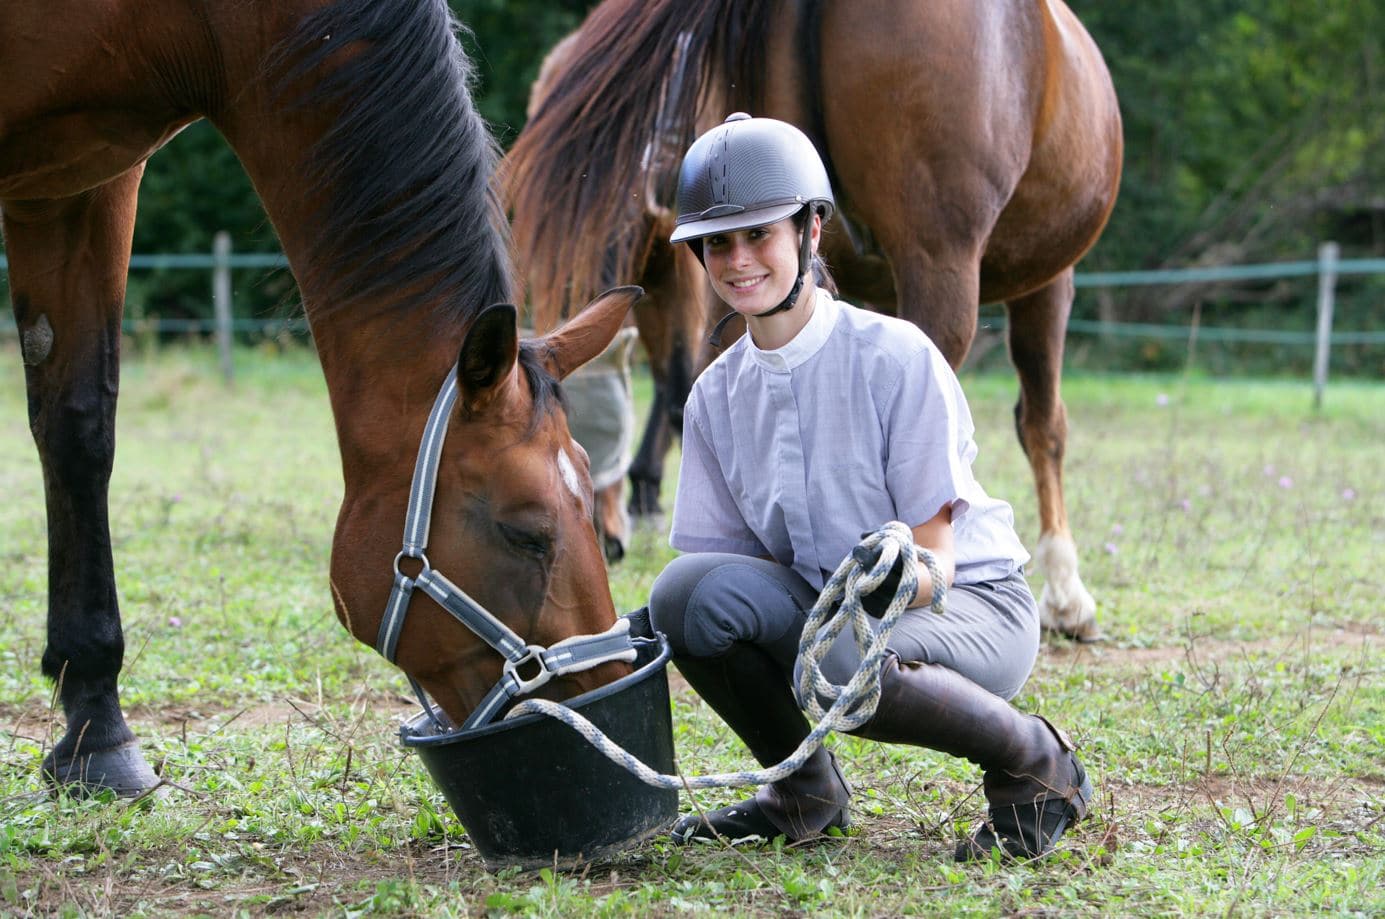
{"x":805,"y":256}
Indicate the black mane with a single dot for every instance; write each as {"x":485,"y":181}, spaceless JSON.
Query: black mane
{"x":408,"y":211}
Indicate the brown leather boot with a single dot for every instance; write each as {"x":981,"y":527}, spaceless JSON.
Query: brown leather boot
{"x":1035,"y":786}
{"x":751,"y":694}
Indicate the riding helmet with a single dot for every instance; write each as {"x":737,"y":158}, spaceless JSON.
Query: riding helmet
{"x":745,"y":173}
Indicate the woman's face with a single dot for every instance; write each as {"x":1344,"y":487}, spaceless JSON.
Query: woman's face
{"x":753,"y":270}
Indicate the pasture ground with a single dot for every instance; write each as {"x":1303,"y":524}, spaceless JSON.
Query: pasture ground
{"x":1234,"y":722}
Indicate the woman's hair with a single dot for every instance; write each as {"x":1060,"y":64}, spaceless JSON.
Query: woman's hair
{"x":822,"y":275}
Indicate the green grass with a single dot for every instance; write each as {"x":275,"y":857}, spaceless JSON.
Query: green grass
{"x":1234,"y":722}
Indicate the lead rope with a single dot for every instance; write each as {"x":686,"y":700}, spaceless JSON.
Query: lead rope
{"x":852,"y":704}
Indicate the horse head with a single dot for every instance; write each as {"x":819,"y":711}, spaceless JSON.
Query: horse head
{"x":511,"y":516}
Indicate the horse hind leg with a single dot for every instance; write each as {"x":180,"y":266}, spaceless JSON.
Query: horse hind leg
{"x":1037,"y":325}
{"x":68,"y":311}
{"x":673,"y":374}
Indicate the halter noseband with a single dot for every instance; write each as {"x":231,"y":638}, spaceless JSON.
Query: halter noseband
{"x":580,"y":652}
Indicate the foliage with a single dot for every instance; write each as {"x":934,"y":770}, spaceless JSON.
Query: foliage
{"x":1232,"y":723}
{"x":509,"y":39}
{"x":1252,"y":134}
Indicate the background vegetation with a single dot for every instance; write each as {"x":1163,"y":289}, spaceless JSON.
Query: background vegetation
{"x":1233,"y":724}
{"x":1252,"y":134}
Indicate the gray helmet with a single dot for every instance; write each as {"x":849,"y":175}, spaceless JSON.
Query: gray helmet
{"x":745,"y":173}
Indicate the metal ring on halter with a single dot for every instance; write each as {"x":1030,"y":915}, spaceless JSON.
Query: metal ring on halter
{"x":420,"y":557}
{"x":511,"y":669}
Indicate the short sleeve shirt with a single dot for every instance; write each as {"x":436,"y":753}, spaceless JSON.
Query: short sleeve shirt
{"x":794,"y":453}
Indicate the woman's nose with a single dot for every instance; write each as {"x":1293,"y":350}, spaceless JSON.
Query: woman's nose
{"x":738,"y":253}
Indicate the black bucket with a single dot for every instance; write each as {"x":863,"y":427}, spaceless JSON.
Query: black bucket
{"x":532,"y":792}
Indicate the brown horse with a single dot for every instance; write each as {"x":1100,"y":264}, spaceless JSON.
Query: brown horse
{"x":671,"y":318}
{"x":354,"y":122}
{"x":975,"y":150}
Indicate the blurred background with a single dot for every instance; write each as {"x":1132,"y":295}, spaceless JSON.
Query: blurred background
{"x":1253,"y":136}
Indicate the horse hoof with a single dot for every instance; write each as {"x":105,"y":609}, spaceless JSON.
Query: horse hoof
{"x":122,"y":769}
{"x":1071,"y":612}
{"x":1078,"y":623}
{"x":1066,"y":606}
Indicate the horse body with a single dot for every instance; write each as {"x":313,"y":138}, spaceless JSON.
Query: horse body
{"x":354,"y":123}
{"x":976,"y":154}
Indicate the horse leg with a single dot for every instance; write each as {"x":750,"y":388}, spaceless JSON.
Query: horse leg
{"x":68,"y":263}
{"x":647,"y":468}
{"x":671,"y":366}
{"x":1037,"y":325}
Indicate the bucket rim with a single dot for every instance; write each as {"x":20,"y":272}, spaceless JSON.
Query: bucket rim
{"x":414,"y":732}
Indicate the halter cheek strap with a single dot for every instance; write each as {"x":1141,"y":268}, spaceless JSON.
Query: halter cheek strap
{"x":580,"y":652}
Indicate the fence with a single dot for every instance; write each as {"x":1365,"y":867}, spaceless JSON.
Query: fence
{"x":1328,"y":267}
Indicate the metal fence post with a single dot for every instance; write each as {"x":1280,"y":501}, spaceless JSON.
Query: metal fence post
{"x":221,"y":300}
{"x":1327,"y":285}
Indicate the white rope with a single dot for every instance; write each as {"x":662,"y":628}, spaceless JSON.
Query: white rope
{"x":852,"y":705}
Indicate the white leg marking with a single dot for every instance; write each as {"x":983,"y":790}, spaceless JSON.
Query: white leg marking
{"x":1066,"y":605}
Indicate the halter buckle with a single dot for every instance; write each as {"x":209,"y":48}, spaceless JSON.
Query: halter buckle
{"x":521,"y":685}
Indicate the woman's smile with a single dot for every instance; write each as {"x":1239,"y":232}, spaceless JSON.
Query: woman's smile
{"x":753,"y":270}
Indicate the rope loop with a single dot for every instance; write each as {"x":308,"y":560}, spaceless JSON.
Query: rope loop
{"x":847,"y":707}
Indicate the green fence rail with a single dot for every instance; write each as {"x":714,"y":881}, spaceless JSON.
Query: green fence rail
{"x":1095,"y":279}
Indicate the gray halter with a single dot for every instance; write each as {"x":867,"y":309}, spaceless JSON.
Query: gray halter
{"x":580,"y":652}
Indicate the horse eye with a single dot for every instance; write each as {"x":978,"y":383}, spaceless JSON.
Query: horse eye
{"x":531,"y":543}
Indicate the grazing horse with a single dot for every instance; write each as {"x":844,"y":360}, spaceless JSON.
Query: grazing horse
{"x":354,"y":121}
{"x":975,"y":150}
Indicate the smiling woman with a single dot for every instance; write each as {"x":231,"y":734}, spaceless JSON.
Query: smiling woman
{"x":764,"y":513}
{"x":354,"y":122}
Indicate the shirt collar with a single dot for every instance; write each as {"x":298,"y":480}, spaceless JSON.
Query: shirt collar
{"x":806,"y":343}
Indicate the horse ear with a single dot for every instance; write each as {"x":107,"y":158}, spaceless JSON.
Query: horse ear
{"x":488,"y":354}
{"x":587,"y":334}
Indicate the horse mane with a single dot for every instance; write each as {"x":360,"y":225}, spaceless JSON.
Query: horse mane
{"x":575,"y":177}
{"x":408,"y":214}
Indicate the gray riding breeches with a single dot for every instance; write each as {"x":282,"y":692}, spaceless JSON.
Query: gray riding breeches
{"x":704,"y":602}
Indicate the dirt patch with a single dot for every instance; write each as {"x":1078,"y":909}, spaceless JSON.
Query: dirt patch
{"x":1059,"y":652}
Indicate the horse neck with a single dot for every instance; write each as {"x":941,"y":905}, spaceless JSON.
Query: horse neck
{"x":394,"y":266}
{"x":384,"y":357}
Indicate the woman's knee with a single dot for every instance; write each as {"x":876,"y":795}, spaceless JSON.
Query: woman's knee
{"x":668,"y":600}
{"x":704,"y":604}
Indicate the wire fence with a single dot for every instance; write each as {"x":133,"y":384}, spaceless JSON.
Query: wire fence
{"x":219,"y":262}
{"x":1327,"y":268}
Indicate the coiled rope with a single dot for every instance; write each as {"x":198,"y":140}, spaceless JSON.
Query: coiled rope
{"x":851,"y":706}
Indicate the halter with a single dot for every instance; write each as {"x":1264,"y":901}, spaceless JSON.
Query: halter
{"x":580,"y":652}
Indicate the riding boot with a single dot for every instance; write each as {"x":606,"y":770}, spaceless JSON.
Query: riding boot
{"x":751,"y":694}
{"x":1034,"y":784}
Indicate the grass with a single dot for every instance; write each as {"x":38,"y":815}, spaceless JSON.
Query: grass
{"x":1234,"y":721}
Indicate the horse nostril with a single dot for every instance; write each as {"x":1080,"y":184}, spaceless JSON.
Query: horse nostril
{"x":614,"y":549}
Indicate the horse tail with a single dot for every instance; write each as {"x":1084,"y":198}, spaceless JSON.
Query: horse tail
{"x":576,"y":179}
{"x":810,"y":39}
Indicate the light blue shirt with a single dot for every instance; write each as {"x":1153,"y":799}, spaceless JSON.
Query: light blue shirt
{"x":794,"y":453}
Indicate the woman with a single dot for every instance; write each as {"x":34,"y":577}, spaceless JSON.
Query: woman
{"x":822,"y":422}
